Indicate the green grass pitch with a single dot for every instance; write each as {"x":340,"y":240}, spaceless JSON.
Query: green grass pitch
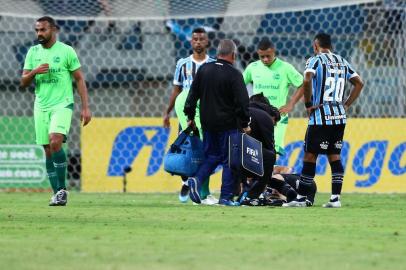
{"x":155,"y":231}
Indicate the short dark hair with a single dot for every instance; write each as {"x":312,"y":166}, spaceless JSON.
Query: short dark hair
{"x":48,"y":19}
{"x":260,"y":98}
{"x":199,"y":30}
{"x":324,"y":40}
{"x":272,"y":110}
{"x":265,"y":44}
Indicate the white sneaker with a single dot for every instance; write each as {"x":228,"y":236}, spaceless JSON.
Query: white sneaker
{"x":53,"y":201}
{"x":210,"y":199}
{"x":61,"y":197}
{"x":333,"y":204}
{"x":296,"y":203}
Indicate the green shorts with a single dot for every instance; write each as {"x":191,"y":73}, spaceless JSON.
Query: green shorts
{"x":182,"y":118}
{"x":56,"y":120}
{"x":279,"y":133}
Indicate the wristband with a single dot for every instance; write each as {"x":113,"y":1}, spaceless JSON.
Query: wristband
{"x":308,"y":104}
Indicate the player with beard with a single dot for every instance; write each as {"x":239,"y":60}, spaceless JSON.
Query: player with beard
{"x":185,"y":72}
{"x":51,"y":65}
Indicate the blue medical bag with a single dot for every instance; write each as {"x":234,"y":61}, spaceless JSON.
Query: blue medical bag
{"x":185,"y":155}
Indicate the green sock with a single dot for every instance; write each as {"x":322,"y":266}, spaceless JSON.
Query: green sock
{"x":59,"y":159}
{"x":205,"y":191}
{"x":53,"y":178}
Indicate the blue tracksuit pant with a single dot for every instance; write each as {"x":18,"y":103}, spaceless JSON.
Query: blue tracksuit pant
{"x":216,"y":153}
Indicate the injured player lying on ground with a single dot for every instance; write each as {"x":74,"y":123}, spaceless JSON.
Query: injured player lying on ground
{"x":281,"y":187}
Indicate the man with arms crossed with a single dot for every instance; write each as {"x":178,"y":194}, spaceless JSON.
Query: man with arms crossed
{"x":325,"y":78}
{"x":272,"y":77}
{"x":51,"y":64}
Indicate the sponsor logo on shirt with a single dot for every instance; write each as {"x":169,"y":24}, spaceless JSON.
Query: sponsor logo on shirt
{"x":54,"y":70}
{"x":335,"y":117}
{"x":49,"y":81}
{"x":266,"y":86}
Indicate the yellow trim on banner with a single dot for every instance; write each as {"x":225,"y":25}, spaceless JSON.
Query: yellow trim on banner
{"x":380,"y":136}
{"x":376,"y":160}
{"x":97,"y":144}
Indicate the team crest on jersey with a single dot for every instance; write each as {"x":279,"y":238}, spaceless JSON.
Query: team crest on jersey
{"x":338,"y":144}
{"x":276,"y":76}
{"x":57,"y":59}
{"x":324,"y":145}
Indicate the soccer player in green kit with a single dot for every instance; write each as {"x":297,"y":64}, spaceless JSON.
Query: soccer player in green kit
{"x":52,"y":64}
{"x":272,"y":76}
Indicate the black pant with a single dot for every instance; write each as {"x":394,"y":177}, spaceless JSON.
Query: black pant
{"x":259,"y":183}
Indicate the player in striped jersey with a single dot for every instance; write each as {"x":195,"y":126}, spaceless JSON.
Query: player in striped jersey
{"x":325,"y":77}
{"x":185,"y":72}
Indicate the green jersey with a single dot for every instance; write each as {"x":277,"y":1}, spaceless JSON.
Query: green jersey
{"x":273,"y":80}
{"x":53,"y":89}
